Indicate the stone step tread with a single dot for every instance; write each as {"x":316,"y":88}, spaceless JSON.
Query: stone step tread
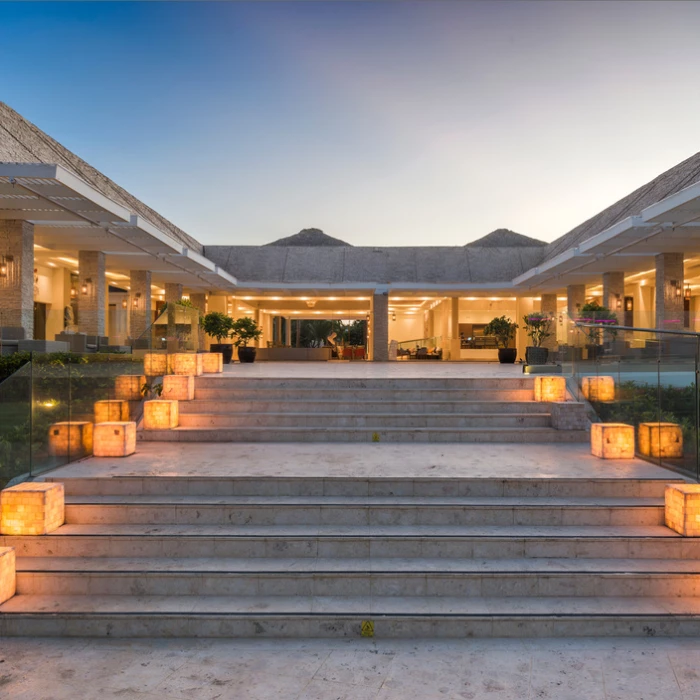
{"x":356,"y":566}
{"x":405,"y":606}
{"x":368,"y":501}
{"x":506,"y":532}
{"x":495,"y":432}
{"x":253,"y":414}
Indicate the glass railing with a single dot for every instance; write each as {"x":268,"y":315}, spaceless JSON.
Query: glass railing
{"x":175,"y":329}
{"x":642,"y":377}
{"x":420,"y":349}
{"x":51,"y":390}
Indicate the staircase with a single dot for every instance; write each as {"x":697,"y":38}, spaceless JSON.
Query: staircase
{"x":315,"y":557}
{"x":238,"y":409}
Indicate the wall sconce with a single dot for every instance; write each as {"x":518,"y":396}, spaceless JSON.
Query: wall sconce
{"x":687,"y":292}
{"x":5,"y":263}
{"x":85,"y":288}
{"x":73,"y":292}
{"x":393,"y":316}
{"x":628,"y":304}
{"x":676,"y":289}
{"x":137,"y":296}
{"x":124,"y":304}
{"x":618,"y":302}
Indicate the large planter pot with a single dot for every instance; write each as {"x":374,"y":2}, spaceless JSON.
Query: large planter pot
{"x":594,"y":351}
{"x":246,"y":354}
{"x":507,"y":356}
{"x":226,"y":349}
{"x":536,"y":356}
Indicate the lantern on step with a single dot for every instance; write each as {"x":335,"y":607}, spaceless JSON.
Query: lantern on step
{"x":32,"y":508}
{"x":178,"y":387}
{"x":127,"y":387}
{"x":71,"y":439}
{"x":682,"y":509}
{"x":612,"y":440}
{"x":111,"y":410}
{"x":598,"y":388}
{"x":115,"y":439}
{"x":186,"y":363}
{"x":8,"y":574}
{"x":155,"y":364}
{"x":160,"y":414}
{"x":661,"y":440}
{"x":550,"y":389}
{"x":212,"y":362}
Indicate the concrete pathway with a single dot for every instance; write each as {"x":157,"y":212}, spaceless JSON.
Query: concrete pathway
{"x":588,"y":669}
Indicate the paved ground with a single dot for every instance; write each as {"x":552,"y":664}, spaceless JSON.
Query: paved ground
{"x":81,"y":669}
{"x":486,"y":460}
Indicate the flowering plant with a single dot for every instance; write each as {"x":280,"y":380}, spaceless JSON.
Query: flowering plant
{"x":538,"y":326}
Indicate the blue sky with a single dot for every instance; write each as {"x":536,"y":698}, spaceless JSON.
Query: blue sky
{"x":381,"y":123}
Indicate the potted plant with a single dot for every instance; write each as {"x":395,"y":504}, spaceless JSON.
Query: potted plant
{"x":601,"y":317}
{"x":219,"y":326}
{"x":538,"y":327}
{"x":243,"y":331}
{"x":503,"y":329}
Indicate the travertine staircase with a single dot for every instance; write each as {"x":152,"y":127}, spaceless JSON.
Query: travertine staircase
{"x":239,"y":409}
{"x":299,"y":557}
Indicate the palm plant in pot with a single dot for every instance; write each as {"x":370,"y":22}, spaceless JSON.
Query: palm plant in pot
{"x":503,"y":329}
{"x":538,"y":327}
{"x":243,"y":331}
{"x":218,"y":325}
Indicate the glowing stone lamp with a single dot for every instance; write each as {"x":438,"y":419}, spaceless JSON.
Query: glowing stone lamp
{"x":127,"y":387}
{"x":661,"y":440}
{"x":160,"y":414}
{"x":178,"y":387}
{"x":32,"y":508}
{"x":115,"y":439}
{"x":187,"y":363}
{"x":598,"y":388}
{"x":155,"y":364}
{"x":212,"y":362}
{"x":70,"y":439}
{"x":111,"y":410}
{"x":550,"y":389}
{"x":612,"y":440}
{"x":683,"y":509}
{"x":8,"y":574}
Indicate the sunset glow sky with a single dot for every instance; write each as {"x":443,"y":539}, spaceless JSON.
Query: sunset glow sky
{"x":409,"y":123}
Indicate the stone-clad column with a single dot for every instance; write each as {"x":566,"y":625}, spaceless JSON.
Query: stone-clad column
{"x":575,"y":299}
{"x":380,"y":326}
{"x":614,"y":293}
{"x":173,"y":293}
{"x":139,"y":302}
{"x":91,"y":292}
{"x":455,"y":343}
{"x":548,"y":305}
{"x":200,"y":303}
{"x":669,"y":303}
{"x":17,"y":275}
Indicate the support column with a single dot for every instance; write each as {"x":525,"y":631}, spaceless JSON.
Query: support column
{"x":453,"y":329}
{"x":380,"y":326}
{"x":17,"y":275}
{"x":575,"y":299}
{"x":614,"y":293}
{"x":92,"y":292}
{"x":139,"y":302}
{"x":288,"y":331}
{"x":669,"y":279}
{"x":200,"y":303}
{"x":548,"y":305}
{"x":173,"y":294}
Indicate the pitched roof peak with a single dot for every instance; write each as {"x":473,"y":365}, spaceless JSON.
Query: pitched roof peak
{"x":505,"y":238}
{"x":309,"y":237}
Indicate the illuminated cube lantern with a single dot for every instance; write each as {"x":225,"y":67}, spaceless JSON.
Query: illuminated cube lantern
{"x":550,"y":389}
{"x":179,"y":387}
{"x":127,"y":387}
{"x":32,"y":508}
{"x":8,"y":574}
{"x":598,"y":388}
{"x":212,"y":362}
{"x":70,"y":439}
{"x":114,"y":439}
{"x":187,"y":363}
{"x":612,"y":440}
{"x":683,"y":508}
{"x":111,"y":410}
{"x":661,"y":440}
{"x":160,"y":414}
{"x":155,"y":364}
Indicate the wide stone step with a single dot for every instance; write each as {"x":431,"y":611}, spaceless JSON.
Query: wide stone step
{"x":357,"y":486}
{"x":375,"y":421}
{"x":345,"y":511}
{"x":333,"y":617}
{"x":284,"y":541}
{"x":357,"y":576}
{"x":239,"y":381}
{"x":367,"y":434}
{"x":340,"y":405}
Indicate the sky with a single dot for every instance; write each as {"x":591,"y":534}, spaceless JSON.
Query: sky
{"x":385,"y":123}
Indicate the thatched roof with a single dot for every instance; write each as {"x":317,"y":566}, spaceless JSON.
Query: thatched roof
{"x":309,"y":237}
{"x":666,"y":184}
{"x":23,"y":142}
{"x":505,"y":238}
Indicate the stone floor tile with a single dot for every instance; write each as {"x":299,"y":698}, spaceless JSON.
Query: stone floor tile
{"x":368,"y":668}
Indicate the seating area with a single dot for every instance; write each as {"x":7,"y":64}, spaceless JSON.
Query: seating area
{"x":419,"y":353}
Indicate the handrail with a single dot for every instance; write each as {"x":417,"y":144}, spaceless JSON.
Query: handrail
{"x":605,"y":327}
